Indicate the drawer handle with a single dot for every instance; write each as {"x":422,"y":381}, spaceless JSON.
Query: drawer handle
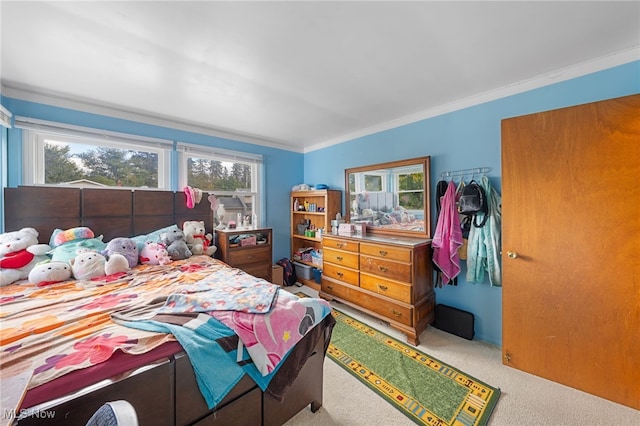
{"x":396,"y":313}
{"x":249,"y":257}
{"x":340,"y":258}
{"x":330,"y":287}
{"x":383,"y":252}
{"x":340,"y":274}
{"x":340,"y":245}
{"x":382,"y":268}
{"x":383,"y":287}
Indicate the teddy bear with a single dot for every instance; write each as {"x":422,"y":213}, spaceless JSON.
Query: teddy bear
{"x":154,"y":254}
{"x":20,"y":251}
{"x":50,"y":272}
{"x":198,"y":241}
{"x":124,"y":246}
{"x":91,"y":264}
{"x":177,"y":248}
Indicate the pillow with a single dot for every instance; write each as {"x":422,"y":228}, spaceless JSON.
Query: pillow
{"x":59,"y":236}
{"x":152,"y":236}
{"x":71,"y":249}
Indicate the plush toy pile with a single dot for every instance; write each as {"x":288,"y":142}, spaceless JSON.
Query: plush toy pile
{"x":77,"y":253}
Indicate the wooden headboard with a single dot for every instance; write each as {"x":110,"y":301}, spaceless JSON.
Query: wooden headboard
{"x":108,"y":212}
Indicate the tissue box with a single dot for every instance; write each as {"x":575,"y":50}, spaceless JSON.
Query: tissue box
{"x":249,"y":241}
{"x":345,"y":229}
{"x":360,"y":228}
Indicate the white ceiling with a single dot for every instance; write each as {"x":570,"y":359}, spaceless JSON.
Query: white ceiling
{"x":299,"y":75}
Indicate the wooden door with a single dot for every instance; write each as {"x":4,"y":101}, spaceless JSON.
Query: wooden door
{"x":571,"y":247}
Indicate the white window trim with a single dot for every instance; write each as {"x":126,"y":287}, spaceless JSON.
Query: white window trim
{"x":186,"y":150}
{"x":360,"y":184}
{"x":36,"y":131}
{"x":396,"y":179}
{"x":5,"y":117}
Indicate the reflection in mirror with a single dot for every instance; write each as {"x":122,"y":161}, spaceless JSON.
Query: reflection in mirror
{"x":390,"y":197}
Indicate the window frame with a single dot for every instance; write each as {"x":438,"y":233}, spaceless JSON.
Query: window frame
{"x":186,"y":151}
{"x":34,"y":133}
{"x":172,"y":157}
{"x":34,"y":152}
{"x":399,"y":191}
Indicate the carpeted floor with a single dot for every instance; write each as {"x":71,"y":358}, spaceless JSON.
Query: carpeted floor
{"x":526,"y":400}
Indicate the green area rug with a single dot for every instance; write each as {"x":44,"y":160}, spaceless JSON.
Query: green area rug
{"x":426,"y":390}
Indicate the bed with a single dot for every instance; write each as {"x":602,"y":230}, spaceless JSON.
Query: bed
{"x":131,"y":354}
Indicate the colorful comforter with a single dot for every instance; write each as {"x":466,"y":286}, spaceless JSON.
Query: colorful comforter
{"x":47,"y":332}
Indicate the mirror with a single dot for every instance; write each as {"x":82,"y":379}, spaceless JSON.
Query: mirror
{"x":391,"y":198}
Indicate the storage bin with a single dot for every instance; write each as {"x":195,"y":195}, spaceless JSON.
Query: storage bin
{"x":303,"y":271}
{"x":317,"y":275}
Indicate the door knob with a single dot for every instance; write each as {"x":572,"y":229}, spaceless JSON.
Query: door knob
{"x":512,"y":254}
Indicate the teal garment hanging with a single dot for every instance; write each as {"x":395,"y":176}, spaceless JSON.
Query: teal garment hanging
{"x":483,"y":251}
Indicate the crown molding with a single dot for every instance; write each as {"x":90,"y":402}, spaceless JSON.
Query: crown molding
{"x":32,"y":94}
{"x":85,"y":105}
{"x":542,"y":80}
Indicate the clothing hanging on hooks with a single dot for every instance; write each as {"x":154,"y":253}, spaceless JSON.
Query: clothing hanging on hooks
{"x":447,"y":238}
{"x":462,"y":172}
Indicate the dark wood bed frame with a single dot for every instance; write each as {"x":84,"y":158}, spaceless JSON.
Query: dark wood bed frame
{"x":165,"y":392}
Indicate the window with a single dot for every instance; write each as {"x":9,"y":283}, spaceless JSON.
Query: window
{"x":88,"y":158}
{"x":410,"y":190}
{"x":60,"y":154}
{"x":233,"y":177}
{"x":369,"y":182}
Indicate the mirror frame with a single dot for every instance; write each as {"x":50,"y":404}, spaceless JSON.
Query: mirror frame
{"x":426,"y":167}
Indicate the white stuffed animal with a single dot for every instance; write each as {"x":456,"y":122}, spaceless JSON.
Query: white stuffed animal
{"x":198,"y":241}
{"x":50,"y":272}
{"x":19,"y":254}
{"x":91,"y":264}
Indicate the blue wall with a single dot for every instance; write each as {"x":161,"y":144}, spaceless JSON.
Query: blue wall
{"x":463,"y":139}
{"x":283,"y":169}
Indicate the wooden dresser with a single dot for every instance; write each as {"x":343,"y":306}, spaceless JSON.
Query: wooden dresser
{"x":387,"y":277}
{"x":236,"y":248}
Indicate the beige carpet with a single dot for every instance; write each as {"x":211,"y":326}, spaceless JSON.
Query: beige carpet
{"x":526,"y":400}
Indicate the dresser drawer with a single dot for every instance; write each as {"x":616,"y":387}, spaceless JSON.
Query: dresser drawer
{"x":386,"y":307}
{"x":386,"y":268}
{"x":393,"y":289}
{"x":345,"y":245}
{"x":338,"y":257}
{"x":387,"y":252}
{"x":341,"y":273}
{"x":243,"y":256}
{"x":343,"y":291}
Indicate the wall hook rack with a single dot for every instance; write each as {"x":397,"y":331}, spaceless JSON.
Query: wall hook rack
{"x":463,"y":172}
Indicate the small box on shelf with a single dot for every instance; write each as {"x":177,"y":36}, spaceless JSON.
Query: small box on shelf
{"x":345,"y":229}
